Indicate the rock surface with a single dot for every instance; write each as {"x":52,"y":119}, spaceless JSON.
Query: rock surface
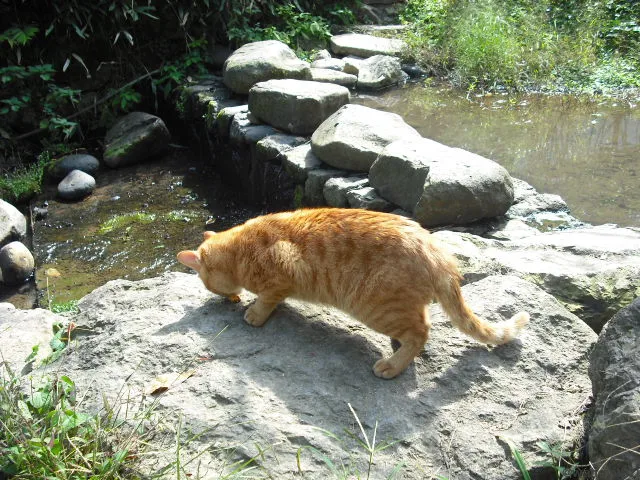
{"x":81,"y":161}
{"x":299,"y":161}
{"x":352,"y":138}
{"x":380,"y":71}
{"x":272,"y":147}
{"x":593,"y":271}
{"x":262,"y":61}
{"x":277,"y":386}
{"x":363,"y":45}
{"x":135,"y":138}
{"x":13,"y":224}
{"x":16,"y":263}
{"x":296,"y":106}
{"x":336,"y":64}
{"x":335,"y":189}
{"x":331,"y":76}
{"x":614,"y":439}
{"x":20,"y":331}
{"x":76,"y":185}
{"x":314,"y":185}
{"x":367,"y":198}
{"x":245,"y":131}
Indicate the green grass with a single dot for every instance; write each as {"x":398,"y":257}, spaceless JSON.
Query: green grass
{"x":43,"y":434}
{"x":523,"y":45}
{"x":64,"y":307}
{"x":23,"y":183}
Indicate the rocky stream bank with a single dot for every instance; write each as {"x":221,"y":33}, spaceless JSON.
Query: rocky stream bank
{"x":285,"y":139}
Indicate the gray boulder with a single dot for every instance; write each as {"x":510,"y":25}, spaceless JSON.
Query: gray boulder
{"x":380,"y":71}
{"x":441,"y":185}
{"x":354,"y":136}
{"x":331,"y":76}
{"x":76,"y":185}
{"x":299,"y":161}
{"x":615,"y":372}
{"x":463,"y":187}
{"x":363,"y":45}
{"x":262,"y":61}
{"x":13,"y":224}
{"x":83,"y":162}
{"x":287,"y":383}
{"x":401,"y":170}
{"x":296,"y":106}
{"x":593,"y":271}
{"x":16,"y":263}
{"x":335,"y":189}
{"x":134,"y":138}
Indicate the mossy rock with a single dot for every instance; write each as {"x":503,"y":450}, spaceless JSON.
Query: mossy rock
{"x":135,"y":138}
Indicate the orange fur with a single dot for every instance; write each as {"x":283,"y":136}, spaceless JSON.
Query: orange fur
{"x":380,"y":268}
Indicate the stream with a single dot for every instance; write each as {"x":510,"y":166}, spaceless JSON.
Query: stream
{"x":585,"y":150}
{"x":139,"y":217}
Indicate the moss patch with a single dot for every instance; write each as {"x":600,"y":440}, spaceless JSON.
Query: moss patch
{"x":122,"y":221}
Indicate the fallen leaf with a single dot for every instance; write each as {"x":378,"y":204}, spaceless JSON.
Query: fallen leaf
{"x":163,"y":382}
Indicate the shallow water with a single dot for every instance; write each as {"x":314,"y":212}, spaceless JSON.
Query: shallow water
{"x":585,"y":150}
{"x":132,"y":226}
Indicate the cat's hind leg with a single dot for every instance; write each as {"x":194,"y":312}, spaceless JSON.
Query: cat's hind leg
{"x":258,"y":313}
{"x":412,"y":333}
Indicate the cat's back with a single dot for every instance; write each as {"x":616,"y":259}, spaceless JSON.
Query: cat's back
{"x":334,"y":224}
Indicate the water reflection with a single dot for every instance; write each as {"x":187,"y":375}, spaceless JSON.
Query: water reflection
{"x":585,"y":150}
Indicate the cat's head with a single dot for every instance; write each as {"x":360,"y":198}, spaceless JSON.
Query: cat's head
{"x":212,"y":267}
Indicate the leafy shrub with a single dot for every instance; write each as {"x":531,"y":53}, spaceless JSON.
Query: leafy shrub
{"x":526,"y":43}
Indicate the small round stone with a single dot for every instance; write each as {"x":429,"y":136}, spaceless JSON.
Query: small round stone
{"x":16,"y":263}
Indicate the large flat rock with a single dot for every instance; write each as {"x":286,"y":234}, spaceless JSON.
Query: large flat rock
{"x":280,"y":387}
{"x":363,"y":45}
{"x":296,"y":106}
{"x":593,"y":271}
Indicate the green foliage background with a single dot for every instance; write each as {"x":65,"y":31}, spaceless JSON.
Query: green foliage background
{"x":575,"y":45}
{"x":60,"y":57}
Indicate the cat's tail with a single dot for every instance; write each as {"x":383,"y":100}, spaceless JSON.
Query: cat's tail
{"x":467,"y":322}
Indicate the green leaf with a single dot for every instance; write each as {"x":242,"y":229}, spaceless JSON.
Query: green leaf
{"x":24,"y":410}
{"x":40,"y":400}
{"x":33,"y":354}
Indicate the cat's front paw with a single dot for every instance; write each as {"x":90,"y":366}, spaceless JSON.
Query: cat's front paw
{"x":254,"y":317}
{"x":383,"y":368}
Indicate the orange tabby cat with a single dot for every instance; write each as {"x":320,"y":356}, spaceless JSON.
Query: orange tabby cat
{"x":382,"y":269}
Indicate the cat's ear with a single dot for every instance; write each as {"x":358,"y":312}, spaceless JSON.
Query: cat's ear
{"x":190,"y":258}
{"x":208,"y":234}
